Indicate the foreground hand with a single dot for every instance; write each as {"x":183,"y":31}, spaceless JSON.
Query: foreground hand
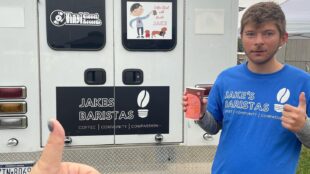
{"x":294,"y":118}
{"x":204,"y":102}
{"x":50,"y":160}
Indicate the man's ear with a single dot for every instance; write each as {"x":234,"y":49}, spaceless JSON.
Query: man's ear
{"x":284,"y":39}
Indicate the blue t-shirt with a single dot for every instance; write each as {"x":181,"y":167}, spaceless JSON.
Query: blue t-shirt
{"x":249,"y":107}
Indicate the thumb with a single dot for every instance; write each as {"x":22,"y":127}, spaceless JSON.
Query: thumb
{"x":302,"y":101}
{"x":52,"y":154}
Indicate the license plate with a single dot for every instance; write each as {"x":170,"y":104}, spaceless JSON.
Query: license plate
{"x":16,"y":168}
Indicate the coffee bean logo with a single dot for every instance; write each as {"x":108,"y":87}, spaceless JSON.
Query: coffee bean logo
{"x":283,"y":95}
{"x":143,"y":98}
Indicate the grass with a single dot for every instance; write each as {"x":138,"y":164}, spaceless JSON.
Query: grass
{"x":304,"y":162}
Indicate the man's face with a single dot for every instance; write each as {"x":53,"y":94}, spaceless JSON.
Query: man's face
{"x":261,"y":42}
{"x":138,"y":11}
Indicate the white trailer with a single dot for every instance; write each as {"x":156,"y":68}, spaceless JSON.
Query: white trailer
{"x":115,"y":86}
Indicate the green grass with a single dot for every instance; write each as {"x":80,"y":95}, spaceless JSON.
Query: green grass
{"x":304,"y":162}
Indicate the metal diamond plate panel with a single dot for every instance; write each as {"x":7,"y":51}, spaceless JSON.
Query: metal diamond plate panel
{"x":135,"y":159}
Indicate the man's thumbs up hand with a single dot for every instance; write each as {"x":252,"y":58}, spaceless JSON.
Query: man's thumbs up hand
{"x":294,"y":118}
{"x":50,"y":161}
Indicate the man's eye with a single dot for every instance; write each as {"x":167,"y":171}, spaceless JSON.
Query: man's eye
{"x":268,"y":34}
{"x":250,"y":34}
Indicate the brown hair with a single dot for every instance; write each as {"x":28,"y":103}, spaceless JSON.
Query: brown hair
{"x":134,"y":6}
{"x":264,"y":12}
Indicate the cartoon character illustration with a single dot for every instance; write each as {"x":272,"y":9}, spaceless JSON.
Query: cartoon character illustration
{"x":137,"y":10}
{"x":147,"y":34}
{"x":162,"y":32}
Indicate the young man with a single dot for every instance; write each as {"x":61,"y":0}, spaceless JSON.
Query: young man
{"x":261,"y":106}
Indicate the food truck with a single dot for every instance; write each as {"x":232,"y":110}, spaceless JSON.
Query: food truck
{"x":113,"y":72}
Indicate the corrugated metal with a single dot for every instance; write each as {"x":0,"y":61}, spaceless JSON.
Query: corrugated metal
{"x":297,"y":53}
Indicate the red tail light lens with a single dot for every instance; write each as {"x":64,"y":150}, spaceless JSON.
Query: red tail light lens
{"x":12,"y":92}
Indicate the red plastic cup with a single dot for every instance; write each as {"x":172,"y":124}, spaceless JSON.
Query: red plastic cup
{"x":194,"y":100}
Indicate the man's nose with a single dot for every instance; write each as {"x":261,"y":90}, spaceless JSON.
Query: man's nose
{"x":259,"y":40}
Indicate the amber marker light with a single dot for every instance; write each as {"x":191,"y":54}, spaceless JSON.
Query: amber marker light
{"x":13,"y":107}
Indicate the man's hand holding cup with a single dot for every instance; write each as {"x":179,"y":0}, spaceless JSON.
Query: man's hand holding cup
{"x":194,"y":103}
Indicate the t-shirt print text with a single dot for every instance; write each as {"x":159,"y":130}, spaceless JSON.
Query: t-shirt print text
{"x":243,"y":103}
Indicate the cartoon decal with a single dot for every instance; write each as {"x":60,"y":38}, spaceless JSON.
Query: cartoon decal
{"x":149,"y":20}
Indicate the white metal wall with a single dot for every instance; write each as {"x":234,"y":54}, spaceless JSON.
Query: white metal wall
{"x":19,"y":67}
{"x":210,"y":47}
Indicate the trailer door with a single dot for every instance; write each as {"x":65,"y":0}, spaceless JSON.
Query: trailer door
{"x":77,"y":69}
{"x":149,"y":71}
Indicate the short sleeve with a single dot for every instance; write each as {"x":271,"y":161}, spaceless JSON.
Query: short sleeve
{"x":215,"y":101}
